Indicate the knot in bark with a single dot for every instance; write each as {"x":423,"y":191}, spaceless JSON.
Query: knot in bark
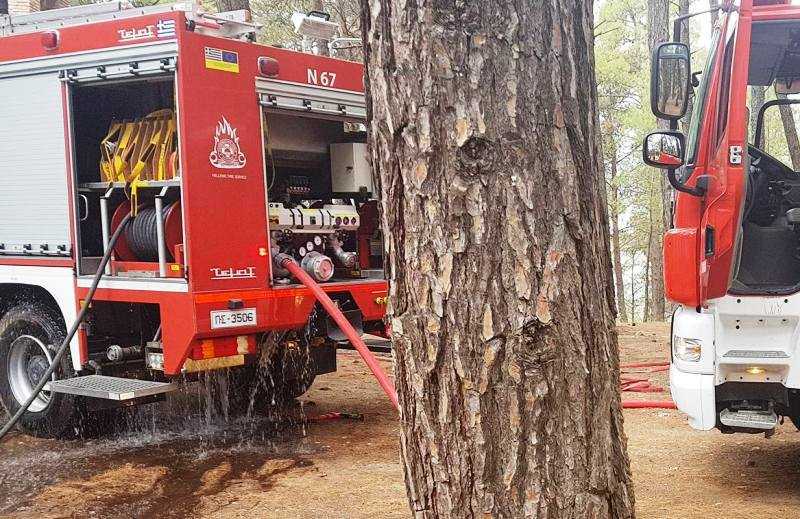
{"x":476,"y":157}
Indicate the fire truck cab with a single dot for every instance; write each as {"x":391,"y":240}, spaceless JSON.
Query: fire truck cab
{"x":225,"y":153}
{"x":732,"y":257}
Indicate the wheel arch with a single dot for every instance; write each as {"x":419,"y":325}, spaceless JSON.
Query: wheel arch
{"x":12,"y":294}
{"x":51,"y":286}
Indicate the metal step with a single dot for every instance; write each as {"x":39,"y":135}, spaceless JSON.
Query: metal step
{"x":765,"y":420}
{"x":109,"y":388}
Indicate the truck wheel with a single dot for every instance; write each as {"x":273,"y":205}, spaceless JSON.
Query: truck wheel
{"x":296,"y":388}
{"x":29,"y":336}
{"x":242,"y":382}
{"x":251,"y":383}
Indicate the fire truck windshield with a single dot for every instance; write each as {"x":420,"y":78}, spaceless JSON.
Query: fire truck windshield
{"x":700,"y":103}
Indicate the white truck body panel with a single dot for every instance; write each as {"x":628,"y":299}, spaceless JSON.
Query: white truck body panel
{"x":744,"y":339}
{"x":60,"y":283}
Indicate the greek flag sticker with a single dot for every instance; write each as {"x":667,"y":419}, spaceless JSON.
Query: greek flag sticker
{"x":225,"y":60}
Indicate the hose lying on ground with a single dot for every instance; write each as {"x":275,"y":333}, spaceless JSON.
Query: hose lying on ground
{"x":87,"y":301}
{"x":288,"y":263}
{"x":648,"y":404}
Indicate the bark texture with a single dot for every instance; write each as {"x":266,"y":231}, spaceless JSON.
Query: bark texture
{"x":322,"y":45}
{"x":619,"y":284}
{"x":658,"y":32}
{"x":484,"y":144}
{"x":232,"y":5}
{"x":714,"y":4}
{"x":757,"y":100}
{"x":790,"y":129}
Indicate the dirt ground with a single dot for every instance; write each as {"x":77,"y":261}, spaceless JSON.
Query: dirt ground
{"x":198,"y":465}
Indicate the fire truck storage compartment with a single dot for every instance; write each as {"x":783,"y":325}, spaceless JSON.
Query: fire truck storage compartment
{"x":125,"y":132}
{"x":322,"y":208}
{"x":34,"y":213}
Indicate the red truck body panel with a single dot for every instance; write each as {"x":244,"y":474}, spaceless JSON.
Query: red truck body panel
{"x":224,"y":210}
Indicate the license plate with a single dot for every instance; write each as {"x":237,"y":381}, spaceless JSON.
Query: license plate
{"x":233,"y":318}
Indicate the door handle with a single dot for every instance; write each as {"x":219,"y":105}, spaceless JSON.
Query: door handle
{"x":85,"y":208}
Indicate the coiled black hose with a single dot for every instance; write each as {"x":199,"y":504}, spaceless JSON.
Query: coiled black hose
{"x":87,"y":301}
{"x":142,"y":235}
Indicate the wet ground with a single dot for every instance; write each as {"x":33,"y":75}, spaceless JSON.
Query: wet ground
{"x":175,"y":461}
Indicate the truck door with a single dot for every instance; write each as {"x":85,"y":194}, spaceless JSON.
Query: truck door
{"x":701,"y":251}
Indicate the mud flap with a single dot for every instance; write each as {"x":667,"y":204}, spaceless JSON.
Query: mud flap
{"x":323,"y":358}
{"x":335,"y":333}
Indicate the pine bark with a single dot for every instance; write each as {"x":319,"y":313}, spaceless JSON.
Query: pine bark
{"x":790,"y":129}
{"x":658,"y":32}
{"x":757,"y":99}
{"x":483,"y":139}
{"x":232,"y":5}
{"x":714,"y":4}
{"x":322,"y":45}
{"x":619,"y":285}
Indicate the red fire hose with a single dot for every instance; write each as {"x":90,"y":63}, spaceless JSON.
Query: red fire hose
{"x":291,"y":265}
{"x":648,"y":404}
{"x":643,"y":385}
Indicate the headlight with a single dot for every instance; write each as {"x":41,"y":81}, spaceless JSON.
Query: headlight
{"x":688,"y":350}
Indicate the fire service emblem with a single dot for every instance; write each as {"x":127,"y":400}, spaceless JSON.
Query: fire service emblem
{"x":226,"y":153}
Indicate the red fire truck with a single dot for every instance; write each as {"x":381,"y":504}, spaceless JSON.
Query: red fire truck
{"x":155,"y":161}
{"x":732,"y":258}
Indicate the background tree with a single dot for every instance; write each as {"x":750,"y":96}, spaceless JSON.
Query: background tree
{"x":232,"y":5}
{"x":484,"y":143}
{"x":658,"y":32}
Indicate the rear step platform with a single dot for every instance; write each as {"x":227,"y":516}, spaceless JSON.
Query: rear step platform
{"x":766,"y":420}
{"x":109,"y":388}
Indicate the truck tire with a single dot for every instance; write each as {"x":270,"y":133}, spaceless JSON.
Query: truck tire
{"x":30,"y":333}
{"x":297,"y":387}
{"x":251,"y":383}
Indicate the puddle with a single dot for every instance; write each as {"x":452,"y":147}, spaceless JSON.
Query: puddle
{"x":158,"y":459}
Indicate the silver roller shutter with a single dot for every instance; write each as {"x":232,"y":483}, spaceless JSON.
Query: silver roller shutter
{"x":34,"y":212}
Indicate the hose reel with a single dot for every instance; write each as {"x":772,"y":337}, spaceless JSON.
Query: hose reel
{"x":139,"y":242}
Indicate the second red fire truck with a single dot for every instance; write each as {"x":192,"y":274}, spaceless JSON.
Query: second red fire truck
{"x":165,"y":140}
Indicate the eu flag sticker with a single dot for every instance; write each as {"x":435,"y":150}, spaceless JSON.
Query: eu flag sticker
{"x":225,"y":60}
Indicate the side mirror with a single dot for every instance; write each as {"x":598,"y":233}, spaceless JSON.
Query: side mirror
{"x":664,"y":150}
{"x":670,"y":81}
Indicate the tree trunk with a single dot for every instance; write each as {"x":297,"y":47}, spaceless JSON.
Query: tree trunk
{"x":757,"y":98}
{"x":686,"y":121}
{"x":232,"y":5}
{"x":614,"y":213}
{"x":647,"y":314}
{"x":790,"y":129}
{"x":322,"y":45}
{"x":658,"y":32}
{"x":633,"y":286}
{"x":483,"y":136}
{"x":713,"y":4}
